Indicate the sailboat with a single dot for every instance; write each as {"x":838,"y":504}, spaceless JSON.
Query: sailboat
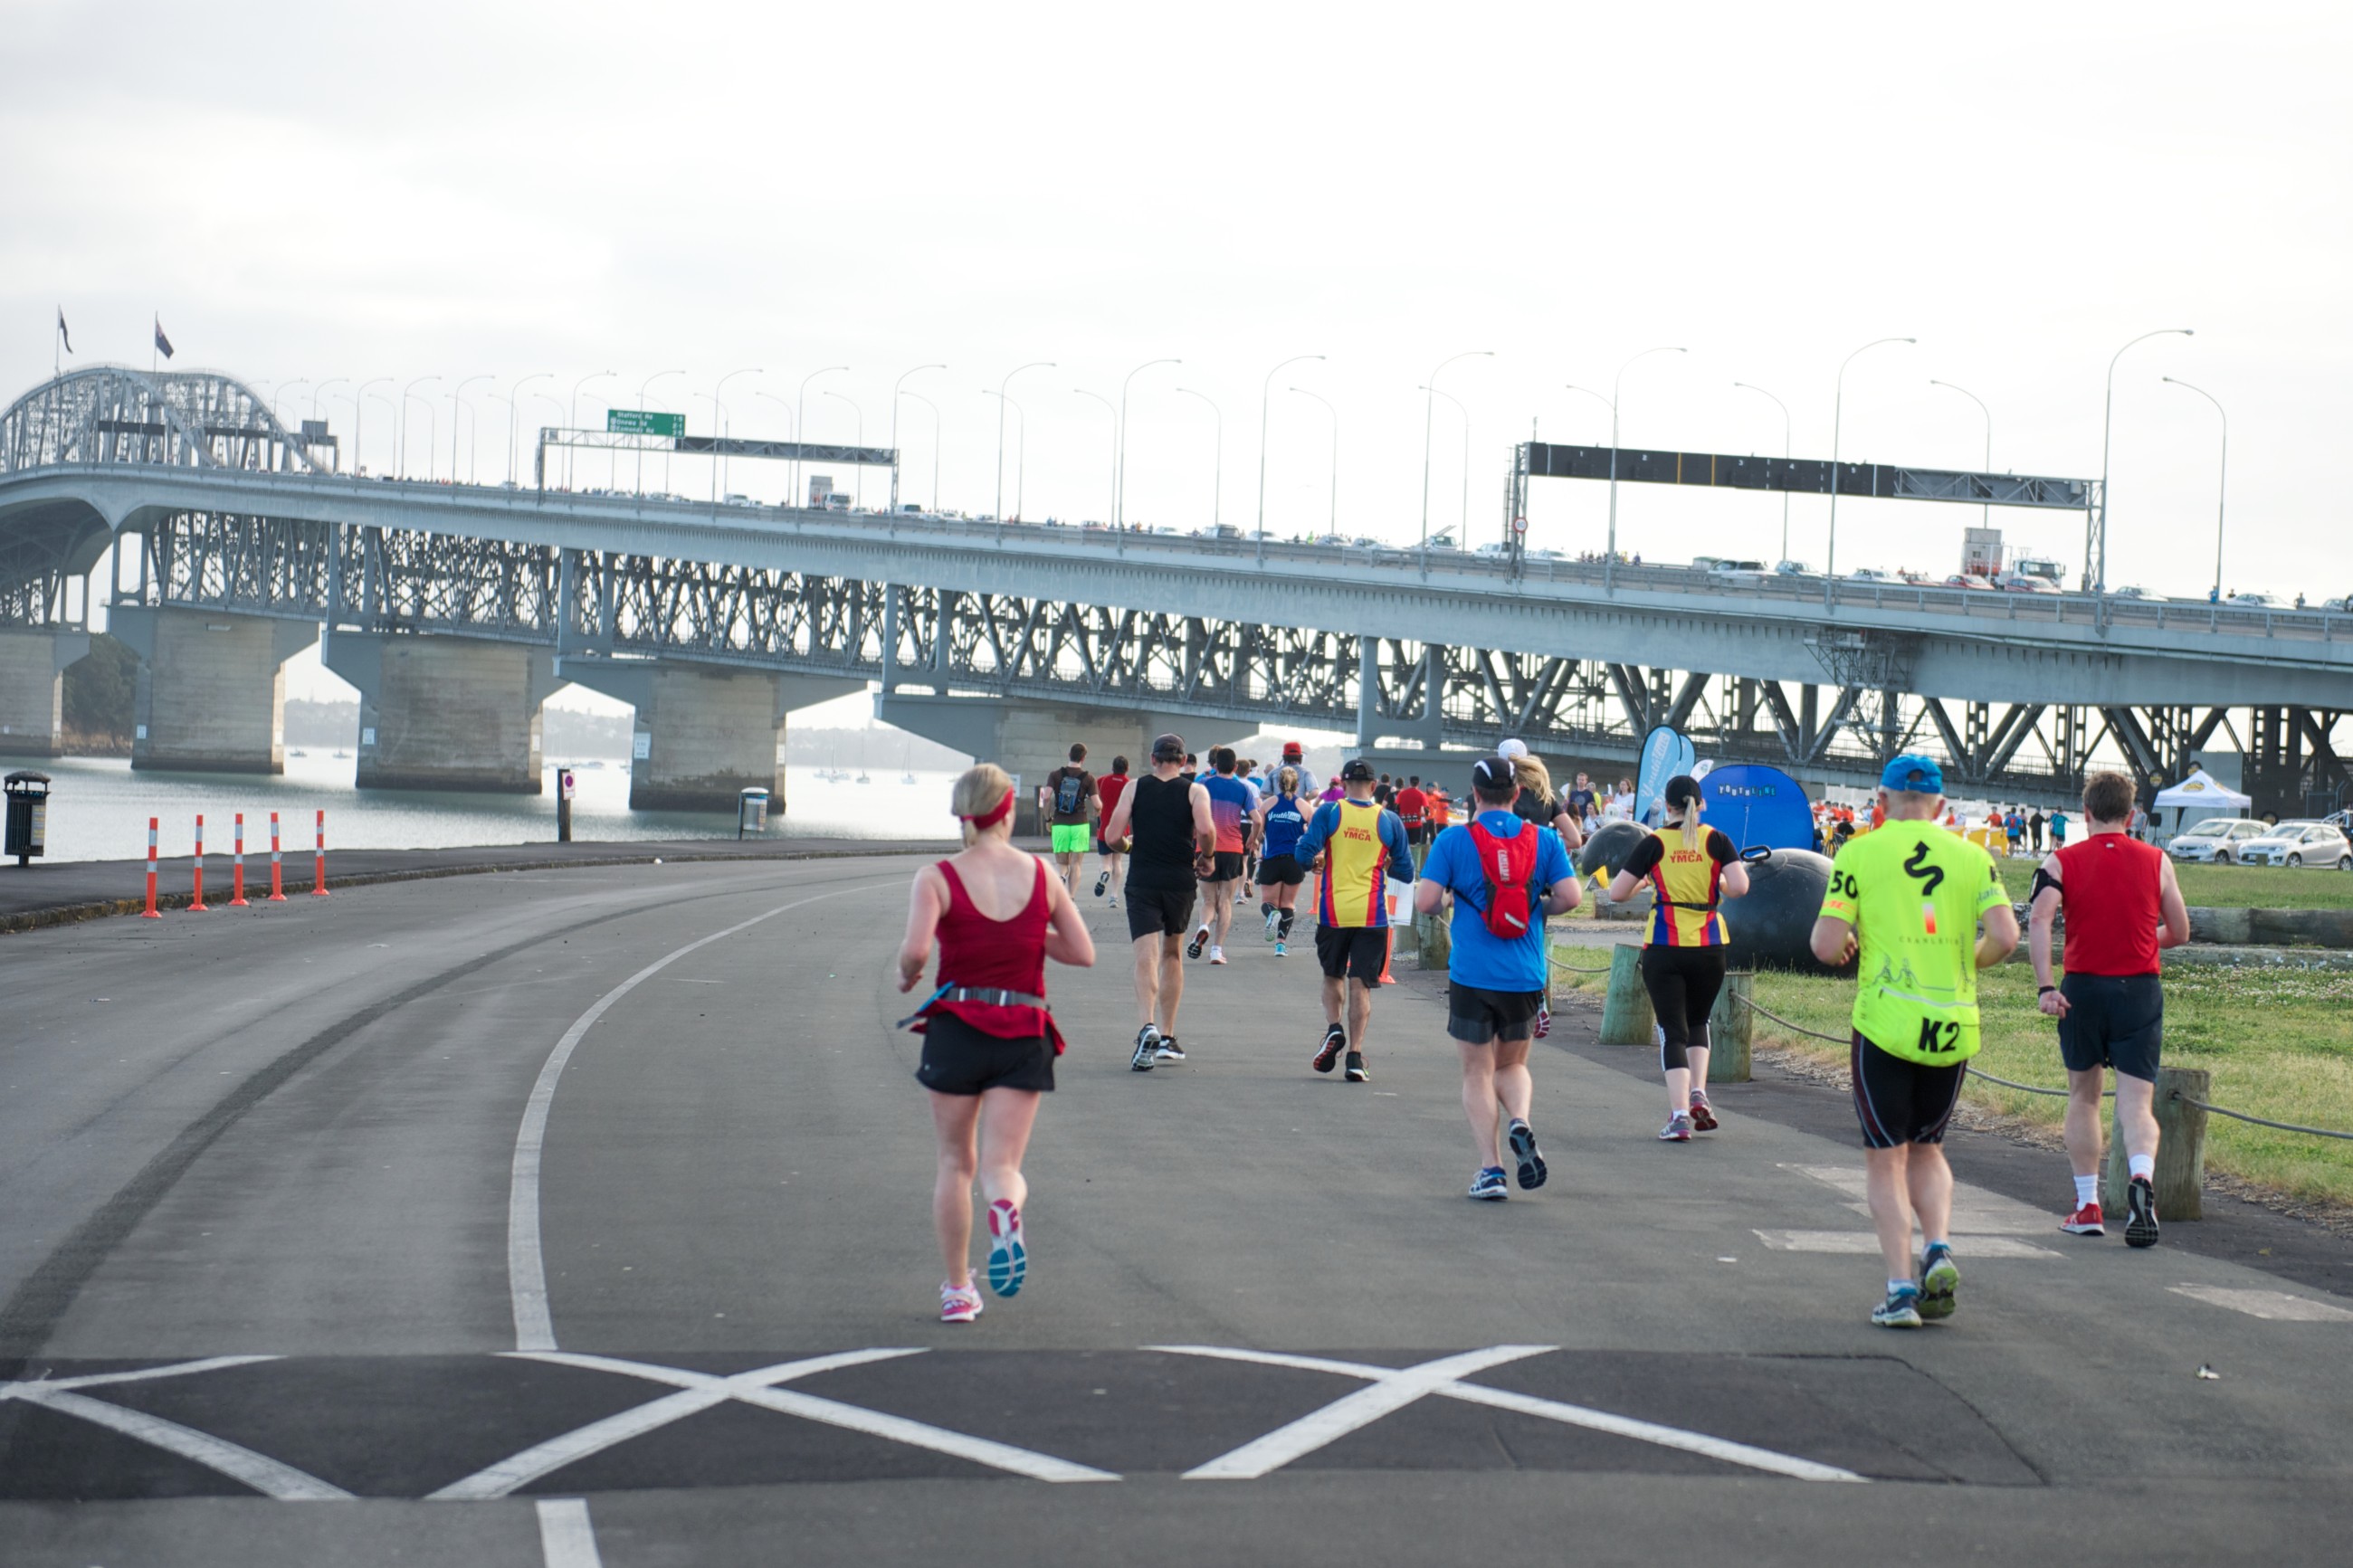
{"x":906,"y":762}
{"x":861,"y":759}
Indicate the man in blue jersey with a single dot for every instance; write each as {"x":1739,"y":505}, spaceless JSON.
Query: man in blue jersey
{"x":1495,"y":979}
{"x":1231,"y":805}
{"x":1282,"y":818}
{"x":1363,"y":846}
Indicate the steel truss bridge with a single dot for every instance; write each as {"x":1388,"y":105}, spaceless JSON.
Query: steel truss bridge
{"x":2020,"y":694}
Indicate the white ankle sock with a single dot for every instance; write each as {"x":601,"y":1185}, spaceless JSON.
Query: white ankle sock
{"x":2142,"y":1165}
{"x":2087,"y":1190}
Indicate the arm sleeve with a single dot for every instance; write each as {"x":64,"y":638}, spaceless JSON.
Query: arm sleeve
{"x":1646,"y":854}
{"x":1721,"y":848}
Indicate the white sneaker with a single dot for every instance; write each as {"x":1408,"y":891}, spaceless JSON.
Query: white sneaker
{"x":1114,"y":900}
{"x":1217,"y":955}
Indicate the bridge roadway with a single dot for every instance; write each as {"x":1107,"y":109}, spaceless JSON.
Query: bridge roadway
{"x":292,"y":1132}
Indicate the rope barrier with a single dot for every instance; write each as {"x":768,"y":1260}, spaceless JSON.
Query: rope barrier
{"x":2242,"y":1116}
{"x":1574,"y":968}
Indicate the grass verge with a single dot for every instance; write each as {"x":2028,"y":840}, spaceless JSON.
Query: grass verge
{"x":2224,"y":887}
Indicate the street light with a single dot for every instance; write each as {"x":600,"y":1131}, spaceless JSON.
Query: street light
{"x":1001,"y":400}
{"x":1429,"y":412}
{"x":1462,"y":524}
{"x":388,"y":403}
{"x":935,"y":447}
{"x":2108,"y":423}
{"x":1617,"y":391}
{"x":513,"y":393}
{"x":895,"y":395}
{"x":1119,"y":492}
{"x":719,"y":423}
{"x":1986,"y":513}
{"x":643,"y":388}
{"x":857,"y":480}
{"x":359,"y":418}
{"x":1217,"y":461}
{"x":1020,"y":455}
{"x":280,"y":392}
{"x":1112,"y":409}
{"x":800,"y":423}
{"x":1837,"y":412}
{"x":1335,"y":526}
{"x":1784,"y":458}
{"x":457,"y":401}
{"x":2222,"y":479}
{"x":1263,"y":388}
{"x":401,"y":435}
{"x":321,"y":386}
{"x":598,"y":376}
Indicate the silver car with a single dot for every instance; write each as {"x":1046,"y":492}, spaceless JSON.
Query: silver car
{"x":2215,"y":840}
{"x":2299,"y":843}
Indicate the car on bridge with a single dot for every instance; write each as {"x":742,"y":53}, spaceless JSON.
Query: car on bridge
{"x":1871,"y":574}
{"x":1793,"y":569}
{"x":1737,"y":569}
{"x":2299,"y":843}
{"x":2025,"y":582}
{"x":2131,"y":591}
{"x":1968,"y":580}
{"x":2217,"y":841}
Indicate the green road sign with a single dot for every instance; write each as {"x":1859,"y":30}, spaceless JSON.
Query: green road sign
{"x":640,"y":422}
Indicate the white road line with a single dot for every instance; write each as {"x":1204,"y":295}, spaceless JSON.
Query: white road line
{"x":699,"y":1391}
{"x":1395,"y":1388}
{"x":262,"y":1473}
{"x":2277,"y":1305}
{"x":526,"y":1267}
{"x":567,"y":1539}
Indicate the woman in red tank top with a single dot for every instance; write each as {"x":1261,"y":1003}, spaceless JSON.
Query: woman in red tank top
{"x":989,"y":1043}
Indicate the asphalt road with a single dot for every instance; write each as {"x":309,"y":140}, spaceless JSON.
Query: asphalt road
{"x":283,"y":1185}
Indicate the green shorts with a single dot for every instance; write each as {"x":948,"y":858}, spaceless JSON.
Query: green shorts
{"x":1073,"y":838}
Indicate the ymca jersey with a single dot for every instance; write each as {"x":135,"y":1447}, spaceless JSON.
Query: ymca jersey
{"x":1286,"y":819}
{"x":1230,"y":802}
{"x":1912,"y":891}
{"x":1364,"y":845}
{"x":1688,"y":884}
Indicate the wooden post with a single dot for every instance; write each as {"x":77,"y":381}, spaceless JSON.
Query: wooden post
{"x":1436,"y":939}
{"x":1626,"y":1016}
{"x":2180,"y":1180}
{"x":1728,"y":1028}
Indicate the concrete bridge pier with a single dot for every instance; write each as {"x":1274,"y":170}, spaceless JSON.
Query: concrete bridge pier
{"x":445,"y":713}
{"x":211,"y":693}
{"x":33,"y":690}
{"x":703,"y":733}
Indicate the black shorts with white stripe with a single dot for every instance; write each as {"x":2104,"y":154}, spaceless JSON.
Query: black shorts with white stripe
{"x":1900,"y":1101}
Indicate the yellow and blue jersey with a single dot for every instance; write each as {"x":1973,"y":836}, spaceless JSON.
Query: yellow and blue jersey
{"x":1364,"y":845}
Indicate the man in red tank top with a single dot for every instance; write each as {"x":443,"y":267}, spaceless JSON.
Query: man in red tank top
{"x":2123,"y":906}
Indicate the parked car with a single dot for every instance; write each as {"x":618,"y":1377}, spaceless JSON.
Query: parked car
{"x":2217,"y":841}
{"x":2299,"y":843}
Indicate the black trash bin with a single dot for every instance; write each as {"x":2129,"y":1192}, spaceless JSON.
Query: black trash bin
{"x":28,"y":816}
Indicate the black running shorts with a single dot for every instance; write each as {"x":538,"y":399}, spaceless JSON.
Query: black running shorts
{"x":1900,"y":1101}
{"x":1354,"y":952}
{"x":1475,"y":1015}
{"x":2113,"y":1020}
{"x":959,"y":1059}
{"x":1280,"y":870}
{"x":1153,"y":910}
{"x":1229,"y":867}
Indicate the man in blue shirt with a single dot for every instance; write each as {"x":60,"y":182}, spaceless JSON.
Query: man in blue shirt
{"x":1495,"y":982}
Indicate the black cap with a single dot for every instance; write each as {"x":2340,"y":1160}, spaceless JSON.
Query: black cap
{"x":1493,"y":773}
{"x":1357,"y":771}
{"x":1681,"y":790}
{"x":1168,"y":749}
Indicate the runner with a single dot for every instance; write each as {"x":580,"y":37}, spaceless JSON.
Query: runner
{"x":1535,"y":803}
{"x":990,"y":1042}
{"x":1580,"y":802}
{"x":1282,"y":818}
{"x":1071,"y":804}
{"x":1294,"y":755}
{"x":1162,"y":825}
{"x":1362,"y":846}
{"x":1506,"y":874}
{"x":1413,"y":810}
{"x":1692,"y":869}
{"x":1107,"y":793}
{"x":1243,"y":770}
{"x":1908,"y":895}
{"x":2123,"y":906}
{"x":1230,"y":806}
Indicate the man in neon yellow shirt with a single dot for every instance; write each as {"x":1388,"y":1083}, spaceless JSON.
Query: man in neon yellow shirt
{"x":1906,"y":898}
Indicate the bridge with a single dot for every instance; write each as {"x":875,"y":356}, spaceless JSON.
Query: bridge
{"x":455,"y":610}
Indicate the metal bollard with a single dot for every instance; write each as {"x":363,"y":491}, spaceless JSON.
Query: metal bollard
{"x":2180,"y":1179}
{"x":1626,"y":1016}
{"x":1728,"y":1028}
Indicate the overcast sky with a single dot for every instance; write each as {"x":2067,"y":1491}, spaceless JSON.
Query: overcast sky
{"x":446,"y":190}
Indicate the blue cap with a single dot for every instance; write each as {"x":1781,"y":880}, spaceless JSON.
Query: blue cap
{"x":1912,"y":773}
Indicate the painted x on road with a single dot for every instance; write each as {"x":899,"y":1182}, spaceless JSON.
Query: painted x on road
{"x":1393,"y":1388}
{"x":265,"y":1475}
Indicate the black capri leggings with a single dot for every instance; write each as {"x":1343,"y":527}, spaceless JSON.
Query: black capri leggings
{"x":1683,"y":983}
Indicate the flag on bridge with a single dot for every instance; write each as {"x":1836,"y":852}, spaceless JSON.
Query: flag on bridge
{"x":61,"y":329}
{"x":163,"y":343}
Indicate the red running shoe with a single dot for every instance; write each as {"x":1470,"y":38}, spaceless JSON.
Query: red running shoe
{"x":1703,"y":1114}
{"x":2085,"y":1221}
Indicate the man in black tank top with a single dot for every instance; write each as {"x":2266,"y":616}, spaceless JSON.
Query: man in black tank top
{"x":1162,"y":823}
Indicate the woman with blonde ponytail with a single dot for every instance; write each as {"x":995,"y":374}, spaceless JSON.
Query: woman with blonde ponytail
{"x":989,"y":1043}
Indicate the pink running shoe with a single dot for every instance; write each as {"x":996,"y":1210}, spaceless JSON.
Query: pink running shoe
{"x":959,"y":1306}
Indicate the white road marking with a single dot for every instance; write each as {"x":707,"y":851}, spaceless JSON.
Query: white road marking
{"x":262,"y":1473}
{"x":1394,"y":1388}
{"x":2277,"y":1305}
{"x":1863,"y":1243}
{"x":526,"y":1267}
{"x":567,"y":1539}
{"x":699,"y":1391}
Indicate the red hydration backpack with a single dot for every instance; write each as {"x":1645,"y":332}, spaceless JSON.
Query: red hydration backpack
{"x":1510,"y":867}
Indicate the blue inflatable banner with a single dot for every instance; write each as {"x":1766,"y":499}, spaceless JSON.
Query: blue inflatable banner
{"x":1751,"y":805}
{"x":1665,"y":753}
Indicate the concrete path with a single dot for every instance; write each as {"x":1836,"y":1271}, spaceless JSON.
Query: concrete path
{"x":290,"y":1188}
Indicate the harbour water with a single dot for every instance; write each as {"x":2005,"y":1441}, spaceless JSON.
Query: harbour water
{"x":99,"y":809}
